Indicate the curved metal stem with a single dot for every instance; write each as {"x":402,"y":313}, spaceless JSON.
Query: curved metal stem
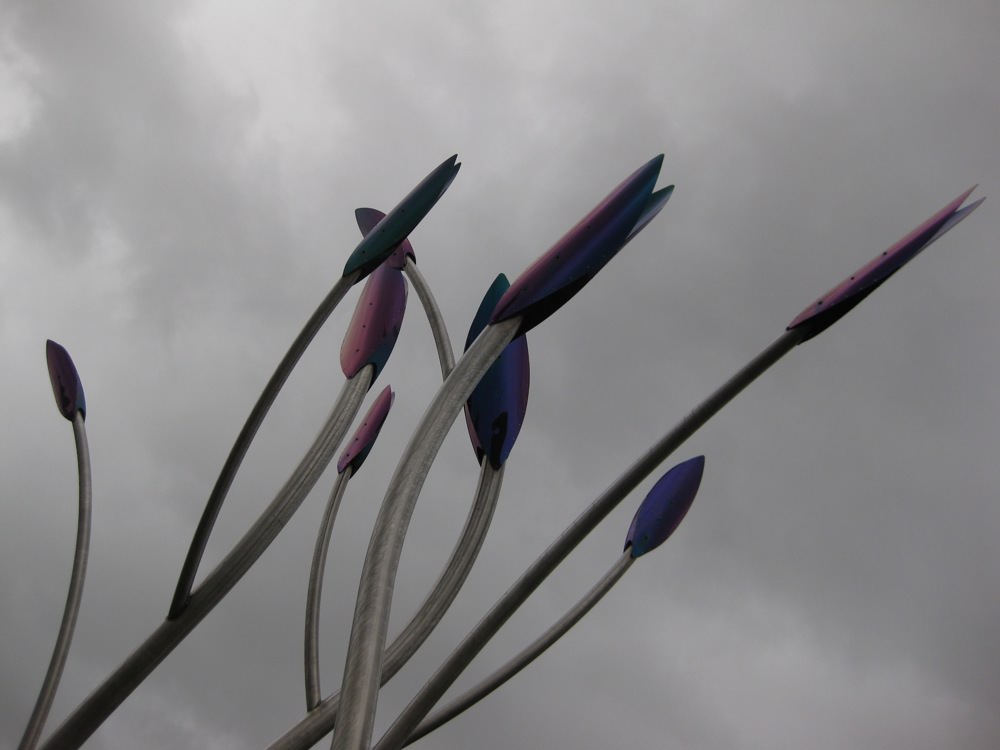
{"x":214,"y":504}
{"x":528,"y":655}
{"x":363,"y":670}
{"x":89,"y":715}
{"x":441,"y":339}
{"x":448,"y":672}
{"x":455,"y":572}
{"x":453,"y":575}
{"x":323,"y":716}
{"x":51,"y":682}
{"x":315,"y":591}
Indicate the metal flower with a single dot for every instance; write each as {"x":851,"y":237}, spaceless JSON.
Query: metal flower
{"x":665,"y":506}
{"x":495,"y":411}
{"x":376,"y":322}
{"x":368,"y":219}
{"x":583,"y":251}
{"x":379,"y":243}
{"x":840,"y":300}
{"x":66,"y":385}
{"x":363,"y":440}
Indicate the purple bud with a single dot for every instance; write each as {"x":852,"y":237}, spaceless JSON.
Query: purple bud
{"x":583,"y":251}
{"x":364,"y":438}
{"x":665,"y":506}
{"x":377,"y":319}
{"x":66,"y":385}
{"x":840,"y":300}
{"x":495,"y":411}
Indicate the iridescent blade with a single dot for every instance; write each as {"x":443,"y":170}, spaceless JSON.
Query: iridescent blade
{"x":394,"y":227}
{"x":840,"y":300}
{"x":656,"y":202}
{"x":361,"y":445}
{"x":375,"y":325}
{"x":368,"y":219}
{"x":583,"y":251}
{"x":665,"y":506}
{"x":495,"y":411}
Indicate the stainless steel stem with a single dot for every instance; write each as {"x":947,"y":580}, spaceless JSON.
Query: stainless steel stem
{"x":455,"y":572}
{"x":89,"y":715}
{"x":363,"y":670}
{"x":214,"y":504}
{"x":441,"y":340}
{"x":528,"y":655}
{"x":453,"y":575}
{"x":51,"y":682}
{"x":315,"y":590}
{"x":322,"y":718}
{"x":460,"y":658}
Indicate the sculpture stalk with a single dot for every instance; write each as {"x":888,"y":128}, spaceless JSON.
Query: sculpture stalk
{"x":431,"y":693}
{"x":322,"y":718}
{"x":51,"y":682}
{"x":239,"y":450}
{"x":315,"y":590}
{"x":90,"y":714}
{"x":537,"y":647}
{"x":363,"y":670}
{"x":441,"y":341}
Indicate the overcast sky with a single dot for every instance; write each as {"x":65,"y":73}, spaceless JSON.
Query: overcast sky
{"x":177,"y":187}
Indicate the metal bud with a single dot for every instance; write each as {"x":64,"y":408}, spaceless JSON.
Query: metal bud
{"x":495,"y":411}
{"x":583,"y":251}
{"x":394,"y":227}
{"x":840,"y":300}
{"x":363,"y":440}
{"x":665,"y":506}
{"x":66,"y":385}
{"x":376,"y":322}
{"x":368,"y":219}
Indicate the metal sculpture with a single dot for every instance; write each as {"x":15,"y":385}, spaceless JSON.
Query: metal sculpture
{"x":490,"y":382}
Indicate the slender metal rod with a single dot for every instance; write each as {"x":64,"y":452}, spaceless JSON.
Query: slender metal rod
{"x":457,"y":569}
{"x":322,"y":718}
{"x":438,"y":329}
{"x":311,"y":728}
{"x":315,"y":591}
{"x":363,"y":670}
{"x":51,"y":682}
{"x":225,"y":480}
{"x":537,"y":647}
{"x":459,"y":659}
{"x":453,"y":575}
{"x":90,"y":714}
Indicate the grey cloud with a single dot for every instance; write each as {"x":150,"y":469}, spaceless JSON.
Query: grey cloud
{"x":835,"y":581}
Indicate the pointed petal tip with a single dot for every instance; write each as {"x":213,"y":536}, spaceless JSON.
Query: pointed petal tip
{"x":967,"y":193}
{"x":973,"y":206}
{"x":65,"y":380}
{"x":367,"y":218}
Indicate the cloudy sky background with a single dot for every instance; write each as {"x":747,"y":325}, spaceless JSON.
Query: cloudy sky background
{"x":177,"y":185}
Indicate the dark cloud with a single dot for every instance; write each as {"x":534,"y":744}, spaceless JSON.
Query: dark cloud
{"x":176,"y":193}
